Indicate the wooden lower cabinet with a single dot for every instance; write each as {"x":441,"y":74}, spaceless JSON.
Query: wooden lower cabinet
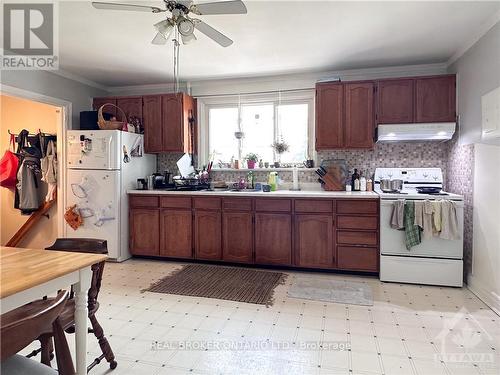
{"x":237,"y":237}
{"x":357,"y":258}
{"x":144,"y":231}
{"x":176,"y":233}
{"x":207,"y":235}
{"x":273,"y":238}
{"x":314,"y":245}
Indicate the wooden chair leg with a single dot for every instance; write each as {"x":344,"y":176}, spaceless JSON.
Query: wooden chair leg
{"x":47,"y":349}
{"x":103,"y":342}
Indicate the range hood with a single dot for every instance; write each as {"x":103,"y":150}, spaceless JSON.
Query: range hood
{"x":442,"y":131}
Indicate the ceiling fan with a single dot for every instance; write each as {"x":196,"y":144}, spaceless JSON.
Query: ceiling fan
{"x":181,"y":20}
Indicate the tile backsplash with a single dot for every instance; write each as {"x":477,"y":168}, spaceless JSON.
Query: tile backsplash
{"x":407,"y":154}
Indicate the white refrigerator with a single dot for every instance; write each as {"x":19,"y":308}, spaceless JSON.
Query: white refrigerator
{"x":101,"y":166}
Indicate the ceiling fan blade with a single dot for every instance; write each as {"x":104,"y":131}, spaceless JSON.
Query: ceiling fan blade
{"x":209,"y":31}
{"x":132,"y":7}
{"x":159,"y":40}
{"x":220,"y":7}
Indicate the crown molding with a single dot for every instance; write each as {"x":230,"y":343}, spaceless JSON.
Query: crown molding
{"x":482,"y":30}
{"x":156,"y":88}
{"x":75,"y":77}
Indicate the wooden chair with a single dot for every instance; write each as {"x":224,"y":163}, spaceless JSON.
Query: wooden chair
{"x":67,"y":316}
{"x":20,"y":327}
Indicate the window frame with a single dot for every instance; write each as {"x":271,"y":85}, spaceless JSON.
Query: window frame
{"x":306,"y":96}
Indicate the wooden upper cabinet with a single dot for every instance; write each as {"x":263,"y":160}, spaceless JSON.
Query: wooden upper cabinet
{"x":207,"y":235}
{"x":152,"y":122}
{"x":359,"y":115}
{"x":395,"y":101}
{"x":329,"y":116}
{"x":172,"y":123}
{"x":98,"y":102}
{"x":314,"y":245}
{"x":273,"y":239}
{"x":132,"y":106}
{"x":435,"y":99}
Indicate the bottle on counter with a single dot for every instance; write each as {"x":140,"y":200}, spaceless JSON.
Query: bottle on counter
{"x":362,"y":182}
{"x":369,"y":185}
{"x":273,"y":180}
{"x":355,"y":176}
{"x":356,"y":184}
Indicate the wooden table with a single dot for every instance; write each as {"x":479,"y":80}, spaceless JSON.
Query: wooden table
{"x":29,"y":274}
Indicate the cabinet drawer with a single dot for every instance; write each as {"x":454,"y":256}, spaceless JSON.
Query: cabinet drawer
{"x":357,"y":258}
{"x":313,"y":205}
{"x":207,"y":203}
{"x":357,"y":238}
{"x":367,"y":206}
{"x":144,"y":201}
{"x":273,"y":205}
{"x":237,"y":204}
{"x":357,"y":222}
{"x":175,"y":202}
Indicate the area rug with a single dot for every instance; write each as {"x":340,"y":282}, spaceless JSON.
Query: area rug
{"x":320,"y":289}
{"x":228,"y":283}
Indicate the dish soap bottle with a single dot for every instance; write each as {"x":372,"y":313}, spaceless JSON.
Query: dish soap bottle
{"x":272,"y":181}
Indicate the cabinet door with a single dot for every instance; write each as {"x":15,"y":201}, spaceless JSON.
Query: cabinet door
{"x":207,"y":235}
{"x":359,"y":115}
{"x":152,"y":123}
{"x":435,"y":99}
{"x":273,"y":239}
{"x":329,"y":116}
{"x":237,"y":237}
{"x":132,"y":106}
{"x":176,"y":234}
{"x":172,"y":123}
{"x":314,"y":241}
{"x":98,"y":102}
{"x":144,"y":231}
{"x":395,"y":101}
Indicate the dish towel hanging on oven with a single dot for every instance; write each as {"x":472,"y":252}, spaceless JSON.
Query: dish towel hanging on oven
{"x":424,"y":217}
{"x":412,"y":231}
{"x":397,"y":217}
{"x":449,"y":221}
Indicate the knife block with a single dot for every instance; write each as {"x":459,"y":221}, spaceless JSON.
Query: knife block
{"x":333,"y":180}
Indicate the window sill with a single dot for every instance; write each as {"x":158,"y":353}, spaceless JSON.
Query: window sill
{"x":262,"y":169}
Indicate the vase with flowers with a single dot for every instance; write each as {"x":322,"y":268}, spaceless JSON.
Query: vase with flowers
{"x":280,"y":147}
{"x":251,"y":159}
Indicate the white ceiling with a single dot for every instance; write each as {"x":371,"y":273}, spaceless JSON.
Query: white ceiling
{"x":113,"y":48}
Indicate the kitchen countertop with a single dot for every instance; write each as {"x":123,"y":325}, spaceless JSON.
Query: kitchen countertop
{"x":278,"y":193}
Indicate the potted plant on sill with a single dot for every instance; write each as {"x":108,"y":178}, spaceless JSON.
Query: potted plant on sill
{"x":279,"y":147}
{"x":251,"y":159}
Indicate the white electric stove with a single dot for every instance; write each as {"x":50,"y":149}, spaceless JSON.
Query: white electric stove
{"x":434,"y":261}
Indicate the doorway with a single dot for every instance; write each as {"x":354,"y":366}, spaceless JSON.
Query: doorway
{"x":18,"y":112}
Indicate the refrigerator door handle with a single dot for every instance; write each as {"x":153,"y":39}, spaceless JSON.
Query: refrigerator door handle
{"x":110,"y":139}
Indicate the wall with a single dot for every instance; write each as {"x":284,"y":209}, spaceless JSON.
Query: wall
{"x":56,"y":86}
{"x":411,"y":155}
{"x":478,"y":72}
{"x":18,"y":114}
{"x":484,"y":279}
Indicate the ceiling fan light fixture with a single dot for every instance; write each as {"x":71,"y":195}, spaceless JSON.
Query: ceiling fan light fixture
{"x":159,"y":40}
{"x":185,"y":26}
{"x":165,"y":28}
{"x":186,"y":39}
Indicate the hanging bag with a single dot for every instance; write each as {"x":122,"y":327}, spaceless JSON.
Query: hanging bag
{"x":8,"y":167}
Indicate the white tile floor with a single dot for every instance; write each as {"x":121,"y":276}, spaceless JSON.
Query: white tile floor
{"x":410,"y":329}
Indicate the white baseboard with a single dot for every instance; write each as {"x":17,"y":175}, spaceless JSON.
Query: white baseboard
{"x":488,"y":297}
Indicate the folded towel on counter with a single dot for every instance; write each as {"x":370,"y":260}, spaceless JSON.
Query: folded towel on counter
{"x":397,"y":217}
{"x":412,"y":231}
{"x":449,"y":221}
{"x":423,"y":217}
